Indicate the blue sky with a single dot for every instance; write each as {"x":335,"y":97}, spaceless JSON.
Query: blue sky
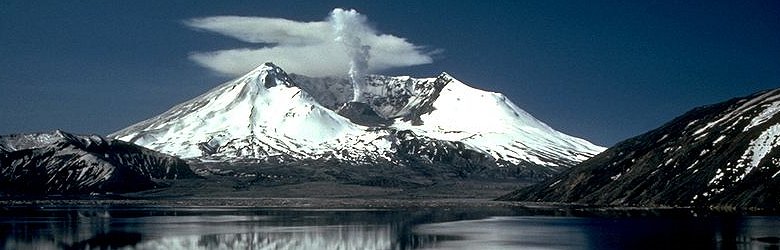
{"x":600,"y":70}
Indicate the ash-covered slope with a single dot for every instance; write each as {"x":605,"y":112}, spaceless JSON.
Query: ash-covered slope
{"x":726,"y":154}
{"x":62,"y":163}
{"x":269,"y":116}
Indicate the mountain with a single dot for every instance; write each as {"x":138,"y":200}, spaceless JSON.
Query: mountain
{"x":726,"y":154}
{"x":63,"y":163}
{"x":270,"y":116}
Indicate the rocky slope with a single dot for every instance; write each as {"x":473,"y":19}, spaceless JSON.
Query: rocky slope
{"x":726,"y":154}
{"x":62,"y":163}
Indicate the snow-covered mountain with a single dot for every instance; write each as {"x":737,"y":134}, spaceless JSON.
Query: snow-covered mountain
{"x":268,"y":115}
{"x":63,"y":163}
{"x":726,"y":154}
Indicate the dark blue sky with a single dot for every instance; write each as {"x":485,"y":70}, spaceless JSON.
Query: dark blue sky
{"x":601,"y":70}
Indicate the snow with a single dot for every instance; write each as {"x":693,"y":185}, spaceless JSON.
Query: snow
{"x":752,"y":112}
{"x":488,"y":120}
{"x":716,"y":179}
{"x":27,"y":141}
{"x":266,"y":112}
{"x":700,"y":132}
{"x":765,"y":115}
{"x":719,"y":139}
{"x":693,"y":164}
{"x":768,"y":99}
{"x":277,"y":118}
{"x":757,"y":150}
{"x":691,"y":124}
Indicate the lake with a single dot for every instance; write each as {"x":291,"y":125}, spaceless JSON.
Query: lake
{"x":145,"y":227}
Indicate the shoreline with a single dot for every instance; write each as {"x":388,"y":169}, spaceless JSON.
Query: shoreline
{"x":270,"y":202}
{"x":311,"y":203}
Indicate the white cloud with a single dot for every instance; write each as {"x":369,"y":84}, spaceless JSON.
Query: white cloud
{"x":265,"y":30}
{"x":307,"y":48}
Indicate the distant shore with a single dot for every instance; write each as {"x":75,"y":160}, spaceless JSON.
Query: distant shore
{"x":314,"y":203}
{"x":473,"y":204}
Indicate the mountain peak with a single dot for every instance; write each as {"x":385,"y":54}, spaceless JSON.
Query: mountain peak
{"x":267,"y":66}
{"x":269,"y":75}
{"x":253,"y":116}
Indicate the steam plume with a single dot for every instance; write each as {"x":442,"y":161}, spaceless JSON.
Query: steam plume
{"x":307,"y":48}
{"x":349,"y":26}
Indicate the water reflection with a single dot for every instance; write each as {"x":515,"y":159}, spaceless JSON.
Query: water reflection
{"x":200,"y":229}
{"x":234,"y":228}
{"x":312,"y":237}
{"x":539,"y":232}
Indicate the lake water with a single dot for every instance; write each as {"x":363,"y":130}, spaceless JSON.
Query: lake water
{"x":244,"y":228}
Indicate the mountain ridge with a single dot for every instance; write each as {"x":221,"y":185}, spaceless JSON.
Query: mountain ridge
{"x":724,"y":154}
{"x":64,"y":163}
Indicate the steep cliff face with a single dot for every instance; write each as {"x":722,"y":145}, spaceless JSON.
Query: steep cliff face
{"x":726,"y":154}
{"x":62,"y":163}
